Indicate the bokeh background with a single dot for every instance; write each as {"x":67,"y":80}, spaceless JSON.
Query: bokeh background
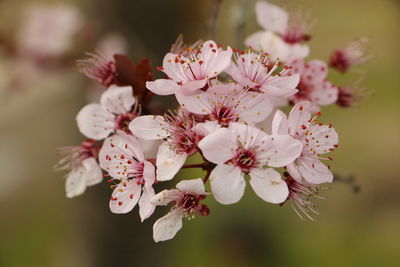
{"x":39,"y":226}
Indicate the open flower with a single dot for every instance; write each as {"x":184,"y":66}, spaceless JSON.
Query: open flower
{"x":122,"y":157}
{"x":115,"y":111}
{"x":179,"y":137}
{"x":242,"y":149}
{"x":81,"y":162}
{"x":258,"y":73}
{"x":192,"y":72}
{"x":283,"y":35}
{"x":313,"y":86}
{"x":317,"y":139}
{"x":228,"y":103}
{"x":186,"y":203}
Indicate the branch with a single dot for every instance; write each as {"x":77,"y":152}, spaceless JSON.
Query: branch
{"x":349,"y":180}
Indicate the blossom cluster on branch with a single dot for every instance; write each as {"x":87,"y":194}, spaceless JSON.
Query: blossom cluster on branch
{"x":229,"y":113}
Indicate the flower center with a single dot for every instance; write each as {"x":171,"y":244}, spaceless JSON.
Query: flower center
{"x":303,"y":93}
{"x":122,"y":121}
{"x":294,"y":35}
{"x":223,"y":115}
{"x":190,"y":203}
{"x":245,"y":159}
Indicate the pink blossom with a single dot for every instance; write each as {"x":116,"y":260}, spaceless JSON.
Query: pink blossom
{"x":351,"y":94}
{"x":179,"y":139}
{"x":47,"y":31}
{"x":81,"y":162}
{"x":242,"y":149}
{"x":317,"y":139}
{"x":353,"y":54}
{"x":283,"y":35}
{"x":186,"y":203}
{"x":115,"y":111}
{"x":228,"y":103}
{"x":257,"y":72}
{"x":313,"y":86}
{"x":122,"y":157}
{"x":191,"y":73}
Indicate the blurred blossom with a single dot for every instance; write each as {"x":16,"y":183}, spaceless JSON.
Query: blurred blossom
{"x":111,"y":44}
{"x":355,"y":53}
{"x":284,"y":33}
{"x":47,"y":31}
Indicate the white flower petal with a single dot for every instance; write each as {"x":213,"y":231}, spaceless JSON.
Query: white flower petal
{"x":125,"y":196}
{"x":314,"y":171}
{"x":282,"y":150}
{"x":95,"y":122}
{"x":166,"y":227}
{"x":195,"y":186}
{"x":197,"y":102}
{"x":268,"y":185}
{"x":293,"y":170}
{"x":219,"y":146}
{"x":207,"y":127}
{"x":254,"y":107}
{"x":75,"y":184}
{"x":150,"y":147}
{"x":166,"y":196}
{"x":168,"y":162}
{"x":120,"y":155}
{"x":118,"y":100}
{"x":299,"y":115}
{"x":149,"y":127}
{"x":93,"y":174}
{"x":271,"y":17}
{"x":282,"y":86}
{"x":227,"y":184}
{"x":162,"y":86}
{"x":322,"y":138}
{"x":280,"y":124}
{"x":146,"y":207}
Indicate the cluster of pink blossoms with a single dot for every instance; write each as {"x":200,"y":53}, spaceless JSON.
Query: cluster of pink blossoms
{"x":228,"y":113}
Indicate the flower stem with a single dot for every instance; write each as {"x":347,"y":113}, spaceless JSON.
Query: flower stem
{"x":207,"y":176}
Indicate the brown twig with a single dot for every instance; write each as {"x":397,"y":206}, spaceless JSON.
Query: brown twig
{"x":198,"y":165}
{"x":207,"y":176}
{"x":349,"y":180}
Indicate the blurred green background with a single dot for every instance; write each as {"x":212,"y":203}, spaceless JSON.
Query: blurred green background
{"x":39,"y":226}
